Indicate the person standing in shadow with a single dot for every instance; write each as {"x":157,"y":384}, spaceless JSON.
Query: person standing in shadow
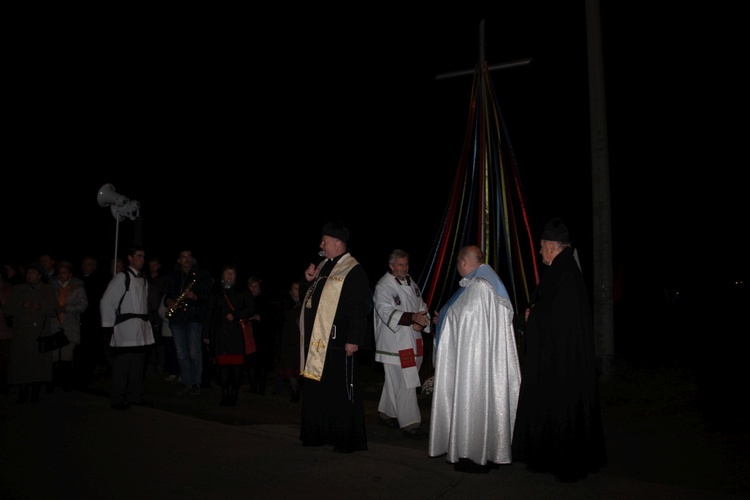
{"x":31,"y":306}
{"x":261,"y":362}
{"x":72,"y":301}
{"x":157,"y":287}
{"x":558,"y":422}
{"x":222,"y":331}
{"x":91,"y":356}
{"x":289,"y":346}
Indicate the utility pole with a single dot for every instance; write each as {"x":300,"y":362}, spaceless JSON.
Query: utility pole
{"x":602,"y":219}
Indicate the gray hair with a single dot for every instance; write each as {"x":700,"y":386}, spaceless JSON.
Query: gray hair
{"x":397,"y":254}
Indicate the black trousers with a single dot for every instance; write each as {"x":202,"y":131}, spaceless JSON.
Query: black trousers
{"x":128,"y":370}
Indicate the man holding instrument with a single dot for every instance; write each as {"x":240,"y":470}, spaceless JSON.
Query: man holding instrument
{"x":187,"y":294}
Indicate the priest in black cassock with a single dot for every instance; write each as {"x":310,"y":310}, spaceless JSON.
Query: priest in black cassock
{"x":334,"y":325}
{"x":558,"y":425}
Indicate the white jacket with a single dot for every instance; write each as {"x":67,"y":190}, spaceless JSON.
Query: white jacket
{"x":392,"y":299}
{"x":135,"y":331}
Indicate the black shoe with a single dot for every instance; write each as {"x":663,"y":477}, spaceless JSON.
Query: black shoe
{"x":120,"y":406}
{"x":141,"y":402}
{"x":466,"y":465}
{"x":391,"y":423}
{"x":416,"y":433}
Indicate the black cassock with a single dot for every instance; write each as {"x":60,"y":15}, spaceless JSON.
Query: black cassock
{"x":333,"y":408}
{"x":558,"y":424}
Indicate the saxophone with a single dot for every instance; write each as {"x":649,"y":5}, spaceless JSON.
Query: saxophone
{"x":180,"y":302}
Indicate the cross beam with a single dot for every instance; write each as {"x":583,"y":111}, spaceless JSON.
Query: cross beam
{"x":492,"y":67}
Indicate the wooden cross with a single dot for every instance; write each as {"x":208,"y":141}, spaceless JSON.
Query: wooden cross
{"x":491,"y":67}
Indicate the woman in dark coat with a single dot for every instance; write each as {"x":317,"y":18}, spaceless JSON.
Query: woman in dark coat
{"x":265,"y":328}
{"x":31,"y":305}
{"x":222,"y":331}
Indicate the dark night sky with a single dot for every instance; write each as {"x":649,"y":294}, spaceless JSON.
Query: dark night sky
{"x":243,"y":134}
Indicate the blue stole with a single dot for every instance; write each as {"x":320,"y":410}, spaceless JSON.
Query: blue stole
{"x":486,"y":273}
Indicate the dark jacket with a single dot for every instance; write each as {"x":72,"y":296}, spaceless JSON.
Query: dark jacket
{"x":198,"y":281}
{"x":226,"y":337}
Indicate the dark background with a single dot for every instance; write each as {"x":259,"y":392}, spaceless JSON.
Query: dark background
{"x":242,"y":132}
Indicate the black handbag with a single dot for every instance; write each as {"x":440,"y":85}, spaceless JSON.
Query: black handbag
{"x":57,"y":340}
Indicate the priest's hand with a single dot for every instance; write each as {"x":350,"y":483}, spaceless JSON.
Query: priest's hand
{"x":310,"y":272}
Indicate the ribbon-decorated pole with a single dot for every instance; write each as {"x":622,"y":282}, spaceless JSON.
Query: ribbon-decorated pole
{"x":486,"y":207}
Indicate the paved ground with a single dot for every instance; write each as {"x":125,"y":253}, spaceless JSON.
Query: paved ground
{"x":73,"y":445}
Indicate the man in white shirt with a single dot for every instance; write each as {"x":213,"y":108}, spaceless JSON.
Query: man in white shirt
{"x":124,"y":306}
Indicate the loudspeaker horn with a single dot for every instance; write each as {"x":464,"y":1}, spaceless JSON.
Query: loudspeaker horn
{"x":108,"y":196}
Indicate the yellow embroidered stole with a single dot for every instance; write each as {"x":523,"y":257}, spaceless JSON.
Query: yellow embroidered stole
{"x":329,"y":301}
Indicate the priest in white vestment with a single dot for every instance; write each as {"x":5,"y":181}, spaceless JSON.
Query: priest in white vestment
{"x":400,"y":317}
{"x":477,"y":372}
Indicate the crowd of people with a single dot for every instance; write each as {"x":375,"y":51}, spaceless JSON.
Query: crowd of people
{"x":140,"y":320}
{"x":491,"y":403}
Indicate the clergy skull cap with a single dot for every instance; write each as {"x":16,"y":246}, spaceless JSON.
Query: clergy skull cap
{"x":556,"y":230}
{"x":336,"y":230}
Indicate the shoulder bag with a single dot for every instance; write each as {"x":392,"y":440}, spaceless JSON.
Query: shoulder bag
{"x":247,"y":330}
{"x":53,"y":342}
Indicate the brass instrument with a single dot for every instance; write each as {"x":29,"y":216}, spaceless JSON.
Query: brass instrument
{"x":180,"y":302}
